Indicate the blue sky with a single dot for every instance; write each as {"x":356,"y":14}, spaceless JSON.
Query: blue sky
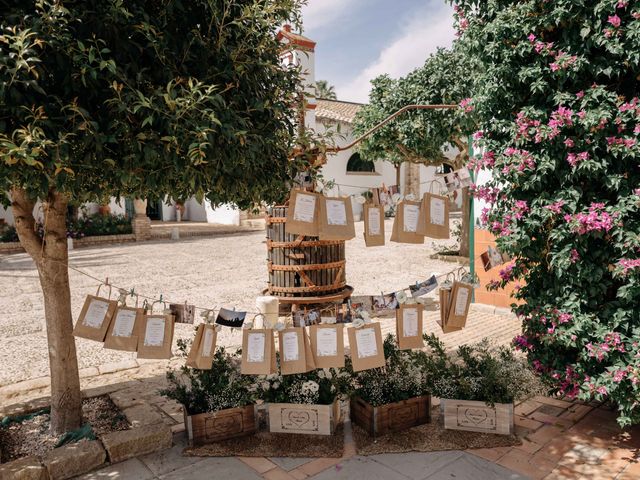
{"x":360,"y":39}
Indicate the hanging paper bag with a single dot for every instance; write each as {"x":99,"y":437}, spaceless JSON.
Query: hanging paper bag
{"x":434,"y":217}
{"x":203,"y":347}
{"x":461,"y":294}
{"x":336,"y":219}
{"x":95,"y":316}
{"x":258,"y":352}
{"x":302,"y":214}
{"x":405,"y":225}
{"x":124,"y":329}
{"x":327,"y":345}
{"x":373,"y":225}
{"x":445,"y":305}
{"x":292,"y":351}
{"x":366,"y":347}
{"x":409,"y":327}
{"x":156,"y":335}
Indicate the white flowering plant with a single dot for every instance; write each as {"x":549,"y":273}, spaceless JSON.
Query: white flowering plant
{"x":201,"y":391}
{"x":480,"y":371}
{"x":401,"y":378}
{"x":321,"y":386}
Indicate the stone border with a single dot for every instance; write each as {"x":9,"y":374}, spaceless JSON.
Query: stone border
{"x":148,"y":434}
{"x":15,"y":247}
{"x":450,"y":258}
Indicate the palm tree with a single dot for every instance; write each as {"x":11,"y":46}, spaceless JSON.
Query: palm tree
{"x":324,"y":90}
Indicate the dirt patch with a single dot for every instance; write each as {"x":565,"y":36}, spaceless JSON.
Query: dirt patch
{"x":30,"y":435}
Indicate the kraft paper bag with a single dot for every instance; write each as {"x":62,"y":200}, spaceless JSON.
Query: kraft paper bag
{"x":459,"y":303}
{"x":434,"y":217}
{"x":258,"y":352}
{"x":203,"y":348}
{"x":405,"y":225}
{"x":95,"y":317}
{"x":336,"y":219}
{"x":366,"y":347}
{"x":445,"y":303}
{"x":294,"y":350}
{"x":327,"y":345}
{"x":156,"y":336}
{"x":409,"y":327}
{"x":373,"y":225}
{"x":303,"y":213}
{"x":124,"y":329}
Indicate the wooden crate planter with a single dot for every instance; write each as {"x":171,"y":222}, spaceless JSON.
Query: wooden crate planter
{"x":210,"y":427}
{"x":474,"y":416}
{"x":304,"y":419}
{"x":391,"y":417}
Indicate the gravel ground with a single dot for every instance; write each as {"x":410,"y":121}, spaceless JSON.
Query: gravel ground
{"x":227,"y":270}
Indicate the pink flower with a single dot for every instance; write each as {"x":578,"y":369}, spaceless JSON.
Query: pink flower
{"x":628,"y":264}
{"x":569,"y":143}
{"x":575,"y":256}
{"x":466,"y":105}
{"x":478,"y":135}
{"x":555,"y":207}
{"x":622,"y":4}
{"x":564,"y":317}
{"x":531,"y":37}
{"x":619,"y":375}
{"x":614,"y":20}
{"x":580,"y":94}
{"x":602,"y":390}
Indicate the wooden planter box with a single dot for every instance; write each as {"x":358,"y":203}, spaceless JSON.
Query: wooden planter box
{"x":474,"y":416}
{"x":210,"y":427}
{"x":304,"y":419}
{"x":391,"y":417}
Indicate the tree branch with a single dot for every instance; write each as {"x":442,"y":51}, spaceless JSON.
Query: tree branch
{"x":22,"y":207}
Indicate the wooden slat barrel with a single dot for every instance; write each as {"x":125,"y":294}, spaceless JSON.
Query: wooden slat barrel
{"x":302,"y":266}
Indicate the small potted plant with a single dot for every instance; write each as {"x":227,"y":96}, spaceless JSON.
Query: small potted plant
{"x":395,"y":397}
{"x":304,"y":403}
{"x":478,"y":384}
{"x":217,"y":403}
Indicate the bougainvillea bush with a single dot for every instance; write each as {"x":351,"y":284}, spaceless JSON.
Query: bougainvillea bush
{"x":560,"y":122}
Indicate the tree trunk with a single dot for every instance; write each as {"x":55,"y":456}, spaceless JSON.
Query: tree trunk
{"x":51,"y":258}
{"x":466,"y":224}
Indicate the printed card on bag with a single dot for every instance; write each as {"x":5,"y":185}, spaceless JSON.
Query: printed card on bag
{"x":434,"y":217}
{"x":366,"y":347}
{"x":95,"y":317}
{"x":409,"y":327}
{"x":258,"y":352}
{"x":293,"y":353}
{"x":460,"y":301}
{"x":203,"y":348}
{"x":327,"y":345}
{"x":124,"y":329}
{"x":336,"y":219}
{"x":373,"y":225}
{"x":407,"y":222}
{"x":156,"y":336}
{"x":303,"y":213}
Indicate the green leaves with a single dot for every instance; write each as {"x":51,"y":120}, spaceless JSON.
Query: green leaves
{"x":152,"y":94}
{"x":561,"y":84}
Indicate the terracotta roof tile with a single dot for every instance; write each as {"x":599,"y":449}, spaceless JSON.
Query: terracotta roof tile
{"x":336,"y":110}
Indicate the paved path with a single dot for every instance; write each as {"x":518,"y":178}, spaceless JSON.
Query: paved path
{"x":227,"y":270}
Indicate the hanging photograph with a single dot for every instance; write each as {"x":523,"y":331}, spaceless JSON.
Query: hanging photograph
{"x":230,"y":318}
{"x":423,"y":288}
{"x":183,"y":313}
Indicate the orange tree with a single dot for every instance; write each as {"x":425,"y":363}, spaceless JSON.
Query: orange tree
{"x":559,"y":122}
{"x":138,"y":98}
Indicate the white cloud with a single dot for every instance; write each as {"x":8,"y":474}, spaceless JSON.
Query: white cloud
{"x":419,"y":38}
{"x":320,"y":13}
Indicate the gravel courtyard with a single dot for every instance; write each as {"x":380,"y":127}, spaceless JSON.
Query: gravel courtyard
{"x":227,"y":270}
